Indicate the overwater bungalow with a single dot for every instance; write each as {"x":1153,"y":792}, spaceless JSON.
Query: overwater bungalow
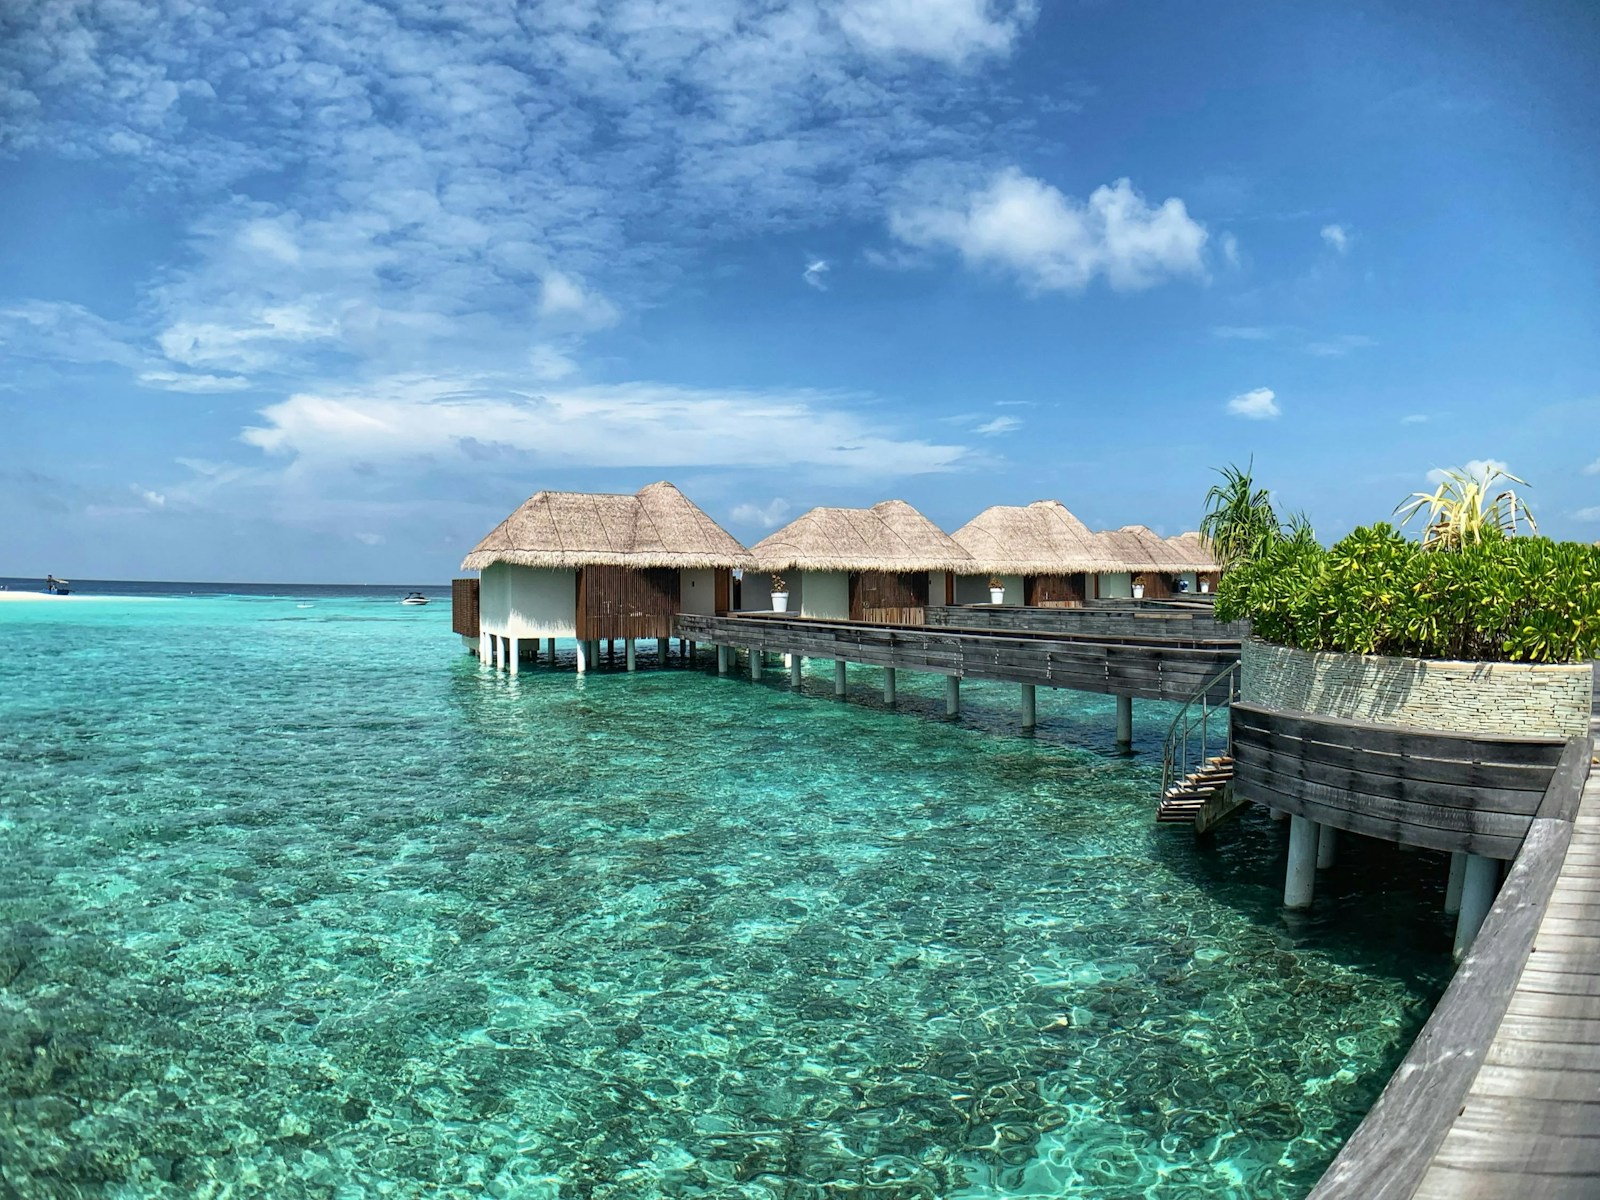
{"x":1149,"y":565}
{"x":1202,"y":572}
{"x":593,"y":566}
{"x":1042,"y":555}
{"x":884,"y":563}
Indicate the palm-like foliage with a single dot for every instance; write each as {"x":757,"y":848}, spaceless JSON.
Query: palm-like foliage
{"x":1461,"y":512}
{"x":1239,"y":522}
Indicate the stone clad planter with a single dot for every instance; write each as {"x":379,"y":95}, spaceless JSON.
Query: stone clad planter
{"x":1528,"y":699}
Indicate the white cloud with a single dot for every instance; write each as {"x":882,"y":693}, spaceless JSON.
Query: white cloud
{"x":564,"y":298}
{"x":1258,"y":404}
{"x":407,"y":419}
{"x":1230,"y":249}
{"x":1053,"y":242}
{"x":175,"y":381}
{"x":1244,"y":333}
{"x":370,"y":539}
{"x":1414,"y":419}
{"x":1587,"y":514}
{"x":949,"y":30}
{"x":999,"y":425}
{"x":548,"y":363}
{"x":815,"y":270}
{"x":766,"y":516}
{"x":1338,"y":237}
{"x":1593,"y":468}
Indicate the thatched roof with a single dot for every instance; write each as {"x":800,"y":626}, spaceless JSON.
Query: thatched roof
{"x":658,"y":527}
{"x":891,"y":536}
{"x":1139,"y":548}
{"x":1042,"y":538}
{"x":1195,"y":552}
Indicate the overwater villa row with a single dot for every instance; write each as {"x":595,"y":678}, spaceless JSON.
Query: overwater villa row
{"x":596,"y":567}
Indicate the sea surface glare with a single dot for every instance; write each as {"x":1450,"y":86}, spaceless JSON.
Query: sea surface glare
{"x":297,"y":901}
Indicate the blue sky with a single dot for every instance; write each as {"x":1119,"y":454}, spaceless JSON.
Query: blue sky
{"x":320,"y":290}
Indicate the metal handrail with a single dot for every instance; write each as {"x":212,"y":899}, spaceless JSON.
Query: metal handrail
{"x":1175,"y":751}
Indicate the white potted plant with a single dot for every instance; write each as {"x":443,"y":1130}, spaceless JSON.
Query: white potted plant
{"x":1205,"y":585}
{"x":1138,"y":589}
{"x":997,"y":590}
{"x":780,"y":594}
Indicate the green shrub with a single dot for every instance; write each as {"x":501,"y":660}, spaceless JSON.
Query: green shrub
{"x":1519,"y":599}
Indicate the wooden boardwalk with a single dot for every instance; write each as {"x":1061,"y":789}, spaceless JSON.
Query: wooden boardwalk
{"x":1499,"y":1096}
{"x":1530,"y":1126}
{"x":1145,"y":668}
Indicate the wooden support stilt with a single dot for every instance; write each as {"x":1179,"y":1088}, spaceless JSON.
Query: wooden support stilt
{"x":1300,"y":881}
{"x":888,"y":685}
{"x":840,"y":683}
{"x":952,"y":695}
{"x":661,"y":652}
{"x":550,"y":645}
{"x":1452,"y":889}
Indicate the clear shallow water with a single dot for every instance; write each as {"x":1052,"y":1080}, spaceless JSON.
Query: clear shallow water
{"x":296,"y":902}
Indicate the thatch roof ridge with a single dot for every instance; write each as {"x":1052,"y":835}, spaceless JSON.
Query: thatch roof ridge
{"x":656,"y":527}
{"x":1041,"y":538}
{"x":1194,"y":551}
{"x":889,"y":536}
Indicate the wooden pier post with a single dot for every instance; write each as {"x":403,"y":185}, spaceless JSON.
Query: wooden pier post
{"x":1327,"y":846}
{"x":632,"y":658}
{"x":1124,"y":722}
{"x":888,"y":685}
{"x":1479,"y":883}
{"x":1452,"y":889}
{"x":952,"y":695}
{"x":1300,"y":881}
{"x":1030,"y":710}
{"x":795,"y":662}
{"x":839,"y":685}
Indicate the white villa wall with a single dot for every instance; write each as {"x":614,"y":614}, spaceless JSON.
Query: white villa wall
{"x":697,"y":592}
{"x":528,"y":602}
{"x":826,"y":595}
{"x":1116,"y":586}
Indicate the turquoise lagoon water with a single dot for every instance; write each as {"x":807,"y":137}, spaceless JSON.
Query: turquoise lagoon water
{"x":298,"y":902}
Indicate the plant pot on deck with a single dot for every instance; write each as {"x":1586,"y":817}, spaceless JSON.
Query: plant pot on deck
{"x":997,"y":595}
{"x":1138,"y":591}
{"x":780,"y":601}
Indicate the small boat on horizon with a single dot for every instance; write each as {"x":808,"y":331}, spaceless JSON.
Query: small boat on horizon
{"x":415,"y":598}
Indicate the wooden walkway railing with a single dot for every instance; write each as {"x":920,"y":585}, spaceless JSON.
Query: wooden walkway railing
{"x":1500,"y":1094}
{"x":1155,"y":668}
{"x":1136,"y":619}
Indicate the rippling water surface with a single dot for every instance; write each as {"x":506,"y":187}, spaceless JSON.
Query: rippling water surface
{"x":295,"y":901}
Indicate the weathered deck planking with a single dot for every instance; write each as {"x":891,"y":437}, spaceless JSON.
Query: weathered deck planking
{"x":1441,"y":1127}
{"x":1152,"y":668}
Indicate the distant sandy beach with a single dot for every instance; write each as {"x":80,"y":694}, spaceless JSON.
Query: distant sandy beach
{"x":46,"y":596}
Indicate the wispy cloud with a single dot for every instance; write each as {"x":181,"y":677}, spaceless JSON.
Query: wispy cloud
{"x":1478,"y":468}
{"x":1587,"y":514}
{"x":764,"y":516}
{"x":999,"y":425}
{"x":815,"y":274}
{"x":1244,"y":333}
{"x":952,"y":30}
{"x":408,"y":419}
{"x":1258,"y":404}
{"x":1051,"y":241}
{"x":1593,"y":468}
{"x":1414,"y":419}
{"x":1338,"y":237}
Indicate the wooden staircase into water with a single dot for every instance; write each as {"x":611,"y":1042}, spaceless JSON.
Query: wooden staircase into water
{"x":1184,"y":799}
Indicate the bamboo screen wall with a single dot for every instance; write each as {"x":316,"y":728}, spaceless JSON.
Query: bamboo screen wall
{"x":1053,"y":591}
{"x":464,"y":607}
{"x":893,"y":598}
{"x":624,"y":602}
